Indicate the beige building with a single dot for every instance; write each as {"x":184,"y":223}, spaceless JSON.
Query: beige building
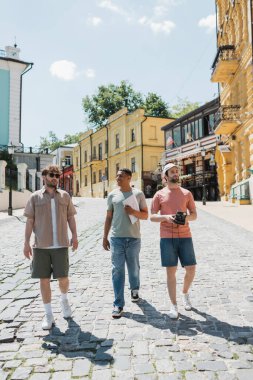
{"x":232,"y":69}
{"x":130,"y":140}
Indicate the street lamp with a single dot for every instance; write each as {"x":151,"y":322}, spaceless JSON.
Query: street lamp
{"x":63,"y":164}
{"x":203,"y":153}
{"x":11,"y":152}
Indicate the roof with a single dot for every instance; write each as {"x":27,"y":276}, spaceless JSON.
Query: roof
{"x":210,"y":104}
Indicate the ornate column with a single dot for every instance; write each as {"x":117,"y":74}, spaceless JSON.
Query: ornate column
{"x":32,"y":173}
{"x":21,"y":176}
{"x":39,"y":175}
{"x":2,"y":175}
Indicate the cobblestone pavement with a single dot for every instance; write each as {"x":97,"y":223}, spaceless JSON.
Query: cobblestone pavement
{"x":213,"y":341}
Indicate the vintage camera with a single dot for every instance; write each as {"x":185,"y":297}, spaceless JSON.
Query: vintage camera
{"x":179,"y":218}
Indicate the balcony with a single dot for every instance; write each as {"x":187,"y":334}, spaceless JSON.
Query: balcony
{"x":228,"y":120}
{"x":225,"y":64}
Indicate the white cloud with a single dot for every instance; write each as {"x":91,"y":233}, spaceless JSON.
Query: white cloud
{"x":164,"y":26}
{"x":163,"y":6}
{"x":94,"y":21}
{"x":208,"y":22}
{"x":90,"y":73}
{"x":64,"y":69}
{"x":108,"y":4}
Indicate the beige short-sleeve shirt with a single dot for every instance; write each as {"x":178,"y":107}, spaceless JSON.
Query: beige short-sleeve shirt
{"x":38,"y":208}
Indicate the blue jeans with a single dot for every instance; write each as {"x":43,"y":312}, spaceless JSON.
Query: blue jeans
{"x":124,"y":250}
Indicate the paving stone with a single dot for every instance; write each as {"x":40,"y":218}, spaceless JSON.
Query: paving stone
{"x":21,"y":373}
{"x":81,"y":367}
{"x":121,"y":363}
{"x":105,"y":374}
{"x":211,"y":366}
{"x":12,"y":364}
{"x":61,"y":376}
{"x":40,"y":376}
{"x":244,"y":374}
{"x":62,"y":365}
{"x":143,"y":368}
{"x":3,"y":374}
{"x":164,"y":365}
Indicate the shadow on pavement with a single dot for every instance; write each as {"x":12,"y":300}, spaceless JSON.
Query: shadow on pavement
{"x":188,"y":326}
{"x":75,"y":343}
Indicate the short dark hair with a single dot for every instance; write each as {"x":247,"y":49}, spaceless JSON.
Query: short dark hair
{"x":51,"y":169}
{"x":126,"y":170}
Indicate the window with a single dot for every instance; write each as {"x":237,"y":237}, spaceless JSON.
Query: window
{"x":177,"y":136}
{"x":132,"y":135}
{"x":94,"y":157}
{"x":211,"y":123}
{"x":133,"y":164}
{"x":152,"y":132}
{"x":94,"y":178}
{"x":200,"y":128}
{"x":68,"y":160}
{"x":85,"y":180}
{"x":100,"y":176}
{"x":190,"y":168}
{"x":117,"y":141}
{"x":117,"y":168}
{"x":100,"y":151}
{"x":85,"y":156}
{"x":169,"y":139}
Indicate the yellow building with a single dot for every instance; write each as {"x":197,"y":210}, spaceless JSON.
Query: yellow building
{"x":130,"y":140}
{"x":232,"y":69}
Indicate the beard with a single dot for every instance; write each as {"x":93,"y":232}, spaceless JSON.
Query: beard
{"x":173,"y":180}
{"x":52,"y":185}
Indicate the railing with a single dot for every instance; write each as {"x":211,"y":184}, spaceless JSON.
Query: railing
{"x":228,"y":113}
{"x":224,"y":53}
{"x":198,"y":179}
{"x":22,"y":149}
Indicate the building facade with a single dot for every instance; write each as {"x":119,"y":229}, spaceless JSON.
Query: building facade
{"x":130,"y":140}
{"x":12,"y":69}
{"x":191,"y":144}
{"x":232,"y":69}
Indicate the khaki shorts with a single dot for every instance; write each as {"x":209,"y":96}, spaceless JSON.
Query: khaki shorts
{"x":48,"y":261}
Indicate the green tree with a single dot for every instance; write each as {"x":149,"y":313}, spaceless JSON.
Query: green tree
{"x":110,"y":99}
{"x":183,"y":107}
{"x":52,"y":142}
{"x":155,"y":106}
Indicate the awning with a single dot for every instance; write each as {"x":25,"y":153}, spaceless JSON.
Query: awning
{"x":181,"y":156}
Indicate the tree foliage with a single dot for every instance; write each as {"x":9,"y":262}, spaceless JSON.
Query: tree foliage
{"x":183,"y":107}
{"x":52,"y":142}
{"x":110,"y":99}
{"x":156,"y":106}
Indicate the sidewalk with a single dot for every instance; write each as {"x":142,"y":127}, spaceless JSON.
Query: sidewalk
{"x":240,"y":215}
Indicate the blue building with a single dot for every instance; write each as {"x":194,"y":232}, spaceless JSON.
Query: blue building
{"x":12,"y":69}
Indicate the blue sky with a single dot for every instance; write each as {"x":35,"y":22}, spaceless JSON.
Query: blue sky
{"x":162,"y":46}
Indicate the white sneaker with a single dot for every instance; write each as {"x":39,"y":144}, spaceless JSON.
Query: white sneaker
{"x":173,"y":313}
{"x":187,"y":302}
{"x":47,"y":322}
{"x":66,"y":309}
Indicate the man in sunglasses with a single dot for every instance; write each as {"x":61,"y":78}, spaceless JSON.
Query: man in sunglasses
{"x":49,"y":212}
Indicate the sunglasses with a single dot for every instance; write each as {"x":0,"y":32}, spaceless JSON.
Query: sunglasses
{"x":52,"y":175}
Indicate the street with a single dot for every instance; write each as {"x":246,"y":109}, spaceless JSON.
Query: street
{"x":213,"y":341}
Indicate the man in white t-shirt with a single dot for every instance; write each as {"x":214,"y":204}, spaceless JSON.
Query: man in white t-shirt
{"x":49,"y":212}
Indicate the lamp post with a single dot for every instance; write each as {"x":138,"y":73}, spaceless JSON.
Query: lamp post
{"x":11,"y":152}
{"x":203,"y":153}
{"x":63,"y":164}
